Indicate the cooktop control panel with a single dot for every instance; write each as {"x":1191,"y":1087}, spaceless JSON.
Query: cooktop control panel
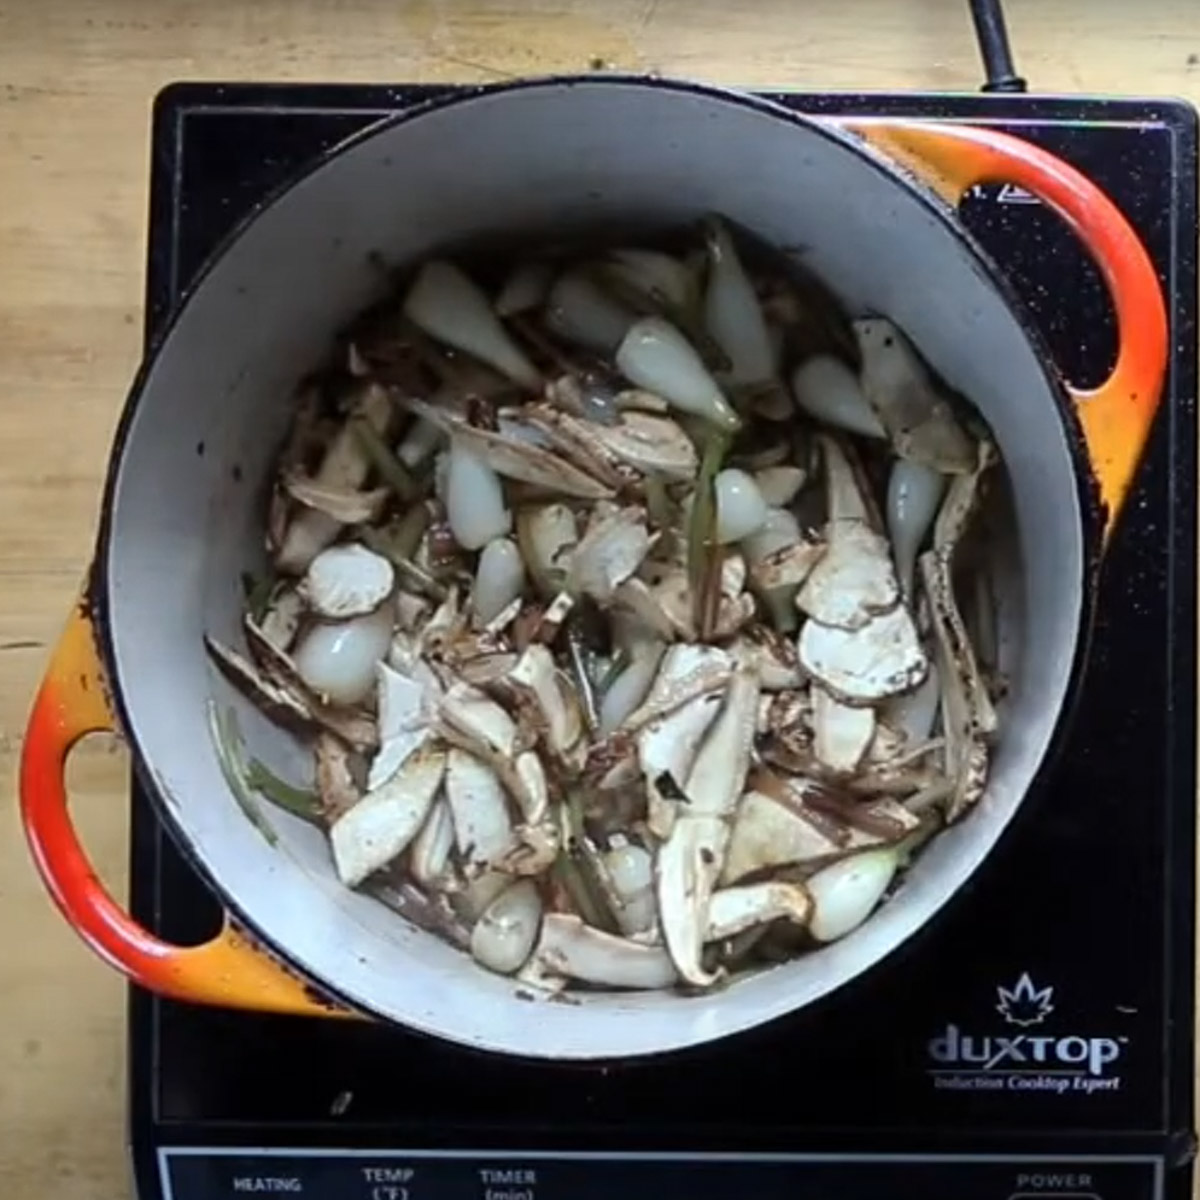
{"x":202,"y":1173}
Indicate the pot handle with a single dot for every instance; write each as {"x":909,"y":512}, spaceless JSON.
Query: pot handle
{"x":1116,"y":416}
{"x":229,"y":971}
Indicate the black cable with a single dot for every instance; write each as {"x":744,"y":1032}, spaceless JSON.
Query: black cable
{"x":992,"y":36}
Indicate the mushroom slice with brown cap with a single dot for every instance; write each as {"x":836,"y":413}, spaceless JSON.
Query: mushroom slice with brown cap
{"x":612,"y":548}
{"x":855,"y":579}
{"x":868,"y":664}
{"x":516,"y":459}
{"x":897,"y":384}
{"x":336,"y":788}
{"x":779,"y":668}
{"x":381,"y":825}
{"x":687,"y":671}
{"x":479,"y":719}
{"x":666,"y":749}
{"x":281,"y":619}
{"x":568,"y":947}
{"x":482,"y":827}
{"x":718,"y":773}
{"x":344,"y":506}
{"x":841,"y":734}
{"x":650,"y":444}
{"x":547,"y":535}
{"x":686,"y":871}
{"x":406,"y":708}
{"x":733,"y":910}
{"x":342,"y":471}
{"x":777,"y":830}
{"x":574,"y":439}
{"x":538,"y":683}
{"x":347,"y":581}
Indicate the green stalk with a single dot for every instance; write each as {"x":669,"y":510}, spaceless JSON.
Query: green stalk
{"x":704,"y":561}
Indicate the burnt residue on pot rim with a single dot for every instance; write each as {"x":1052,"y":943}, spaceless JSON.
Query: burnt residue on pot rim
{"x":96,"y":594}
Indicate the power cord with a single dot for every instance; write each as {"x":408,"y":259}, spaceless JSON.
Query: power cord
{"x":992,"y":35}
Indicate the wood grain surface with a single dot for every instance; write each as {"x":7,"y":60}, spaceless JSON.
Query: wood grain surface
{"x":76,"y":83}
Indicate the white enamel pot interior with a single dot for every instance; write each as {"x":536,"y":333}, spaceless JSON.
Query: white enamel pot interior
{"x":184,"y":512}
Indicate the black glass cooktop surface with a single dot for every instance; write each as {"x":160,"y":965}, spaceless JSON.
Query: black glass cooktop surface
{"x":1035,"y":1039}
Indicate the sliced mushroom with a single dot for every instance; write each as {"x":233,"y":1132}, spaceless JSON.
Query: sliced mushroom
{"x":381,"y":825}
{"x":611,"y":550}
{"x":568,"y":947}
{"x":718,"y":774}
{"x":842,"y":735}
{"x":336,"y":787}
{"x":666,"y":750}
{"x":547,"y":535}
{"x":686,"y":871}
{"x":559,"y":720}
{"x":687,"y":672}
{"x":406,"y":708}
{"x":515,"y":459}
{"x":861,"y":666}
{"x":650,"y":444}
{"x":897,"y":384}
{"x":733,"y":910}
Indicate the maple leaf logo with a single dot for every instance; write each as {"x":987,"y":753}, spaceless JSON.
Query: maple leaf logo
{"x":1024,"y":1004}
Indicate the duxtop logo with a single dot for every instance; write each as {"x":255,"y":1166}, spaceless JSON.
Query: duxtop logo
{"x":972,"y":1058}
{"x":1024,"y":1004}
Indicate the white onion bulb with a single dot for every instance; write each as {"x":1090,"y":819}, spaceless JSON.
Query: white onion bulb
{"x":733,"y":315}
{"x":504,"y":937}
{"x":827,"y":389}
{"x":845,"y":893}
{"x":741,"y":510}
{"x":499,"y":578}
{"x":655,"y":356}
{"x":914,"y":493}
{"x":338,"y":659}
{"x":779,"y":529}
{"x":580,"y":311}
{"x":524,"y":289}
{"x":474,"y":499}
{"x":631,"y":871}
{"x":631,"y":686}
{"x":444,"y":303}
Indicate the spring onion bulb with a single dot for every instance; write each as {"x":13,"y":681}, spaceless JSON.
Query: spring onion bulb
{"x":655,"y":356}
{"x":828,"y":390}
{"x":733,"y":316}
{"x":914,"y":494}
{"x":845,"y":893}
{"x":474,"y":499}
{"x":499,"y":578}
{"x":448,"y":306}
{"x":741,"y":510}
{"x":580,"y":311}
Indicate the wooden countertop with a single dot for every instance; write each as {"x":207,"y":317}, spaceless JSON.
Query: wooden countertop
{"x":76,"y":84}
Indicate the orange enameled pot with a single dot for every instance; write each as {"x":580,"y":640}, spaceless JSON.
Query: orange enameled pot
{"x":874,"y":204}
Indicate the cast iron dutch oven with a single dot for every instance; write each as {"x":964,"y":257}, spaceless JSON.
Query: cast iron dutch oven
{"x":873,"y":203}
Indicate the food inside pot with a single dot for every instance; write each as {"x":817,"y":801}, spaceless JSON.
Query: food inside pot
{"x":621,"y":596}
